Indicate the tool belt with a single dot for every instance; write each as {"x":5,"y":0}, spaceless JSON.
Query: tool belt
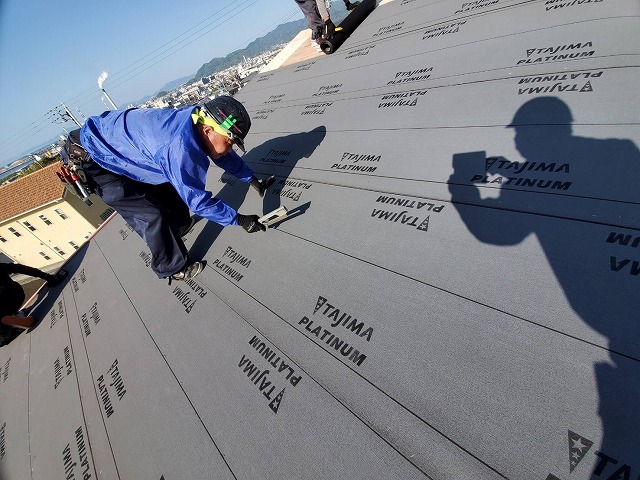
{"x":74,"y":162}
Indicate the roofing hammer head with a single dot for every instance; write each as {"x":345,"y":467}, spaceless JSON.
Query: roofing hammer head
{"x":274,"y":216}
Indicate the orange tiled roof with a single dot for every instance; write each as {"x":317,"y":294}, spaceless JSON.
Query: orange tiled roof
{"x":31,"y":191}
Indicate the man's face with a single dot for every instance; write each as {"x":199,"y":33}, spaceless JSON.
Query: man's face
{"x":216,"y":145}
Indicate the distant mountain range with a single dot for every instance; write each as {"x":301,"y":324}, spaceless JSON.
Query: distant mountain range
{"x":174,"y":84}
{"x":283,"y":33}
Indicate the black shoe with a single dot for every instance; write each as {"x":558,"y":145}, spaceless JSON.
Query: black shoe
{"x":262,"y":185}
{"x":316,"y":35}
{"x":351,"y":6}
{"x":188,"y":272}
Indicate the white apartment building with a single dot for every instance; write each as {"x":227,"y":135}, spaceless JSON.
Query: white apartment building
{"x":41,"y":223}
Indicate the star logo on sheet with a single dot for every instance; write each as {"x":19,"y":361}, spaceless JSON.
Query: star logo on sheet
{"x":275,"y":403}
{"x":321,"y":301}
{"x":424,"y":226}
{"x":578,"y":448}
{"x":587,"y":87}
{"x":489,"y":161}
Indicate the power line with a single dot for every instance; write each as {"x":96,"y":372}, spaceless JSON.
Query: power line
{"x":92,"y":94}
{"x":168,"y":45}
{"x":182,"y":44}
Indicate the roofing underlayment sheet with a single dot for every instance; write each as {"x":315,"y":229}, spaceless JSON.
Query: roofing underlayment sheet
{"x":454,"y":295}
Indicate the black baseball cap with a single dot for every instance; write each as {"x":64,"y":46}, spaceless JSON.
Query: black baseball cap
{"x":231,"y":115}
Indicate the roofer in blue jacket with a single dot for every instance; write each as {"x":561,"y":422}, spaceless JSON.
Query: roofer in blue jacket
{"x":150,"y":165}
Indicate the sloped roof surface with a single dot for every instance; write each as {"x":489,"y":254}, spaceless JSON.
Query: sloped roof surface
{"x":30,"y":191}
{"x":450,"y":299}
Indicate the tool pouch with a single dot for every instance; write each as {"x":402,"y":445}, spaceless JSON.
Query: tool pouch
{"x":76,"y":158}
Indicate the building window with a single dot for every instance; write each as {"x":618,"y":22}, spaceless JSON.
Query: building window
{"x":87,"y":202}
{"x":74,"y":245}
{"x":58,"y":251}
{"x":45,"y":256}
{"x":2,"y":239}
{"x":29,"y":226}
{"x":63,"y":215}
{"x":44,"y":219}
{"x":15,"y":232}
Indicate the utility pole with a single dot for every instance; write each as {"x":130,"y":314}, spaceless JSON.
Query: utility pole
{"x":75,"y":120}
{"x":62,"y":114}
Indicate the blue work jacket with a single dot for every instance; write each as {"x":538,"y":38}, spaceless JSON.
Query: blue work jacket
{"x":161,"y":145}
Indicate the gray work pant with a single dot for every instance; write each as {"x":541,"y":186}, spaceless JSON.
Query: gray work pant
{"x":310,"y":11}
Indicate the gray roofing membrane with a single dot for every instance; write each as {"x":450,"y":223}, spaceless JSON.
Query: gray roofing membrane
{"x":450,"y":298}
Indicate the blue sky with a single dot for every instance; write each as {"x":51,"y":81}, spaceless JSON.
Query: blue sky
{"x":52,"y":52}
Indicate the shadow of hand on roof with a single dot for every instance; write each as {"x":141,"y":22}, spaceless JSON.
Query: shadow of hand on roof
{"x":277,"y":157}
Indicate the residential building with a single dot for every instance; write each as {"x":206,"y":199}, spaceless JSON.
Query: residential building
{"x":41,"y":222}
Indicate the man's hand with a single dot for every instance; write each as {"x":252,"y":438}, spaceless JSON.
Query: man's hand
{"x":250,"y":223}
{"x":54,"y":280}
{"x":329,"y":30}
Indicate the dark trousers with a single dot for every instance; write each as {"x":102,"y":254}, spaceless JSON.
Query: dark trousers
{"x":155,"y":212}
{"x":310,"y":11}
{"x":11,"y":299}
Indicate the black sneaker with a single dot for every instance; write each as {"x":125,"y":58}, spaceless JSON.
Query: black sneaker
{"x":188,"y":272}
{"x":351,"y":6}
{"x":316,"y":35}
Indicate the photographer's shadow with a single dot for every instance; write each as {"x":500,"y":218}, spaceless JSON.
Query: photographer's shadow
{"x":277,"y":157}
{"x":608,"y":301}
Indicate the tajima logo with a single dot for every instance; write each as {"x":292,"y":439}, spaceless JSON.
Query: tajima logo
{"x":578,"y":448}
